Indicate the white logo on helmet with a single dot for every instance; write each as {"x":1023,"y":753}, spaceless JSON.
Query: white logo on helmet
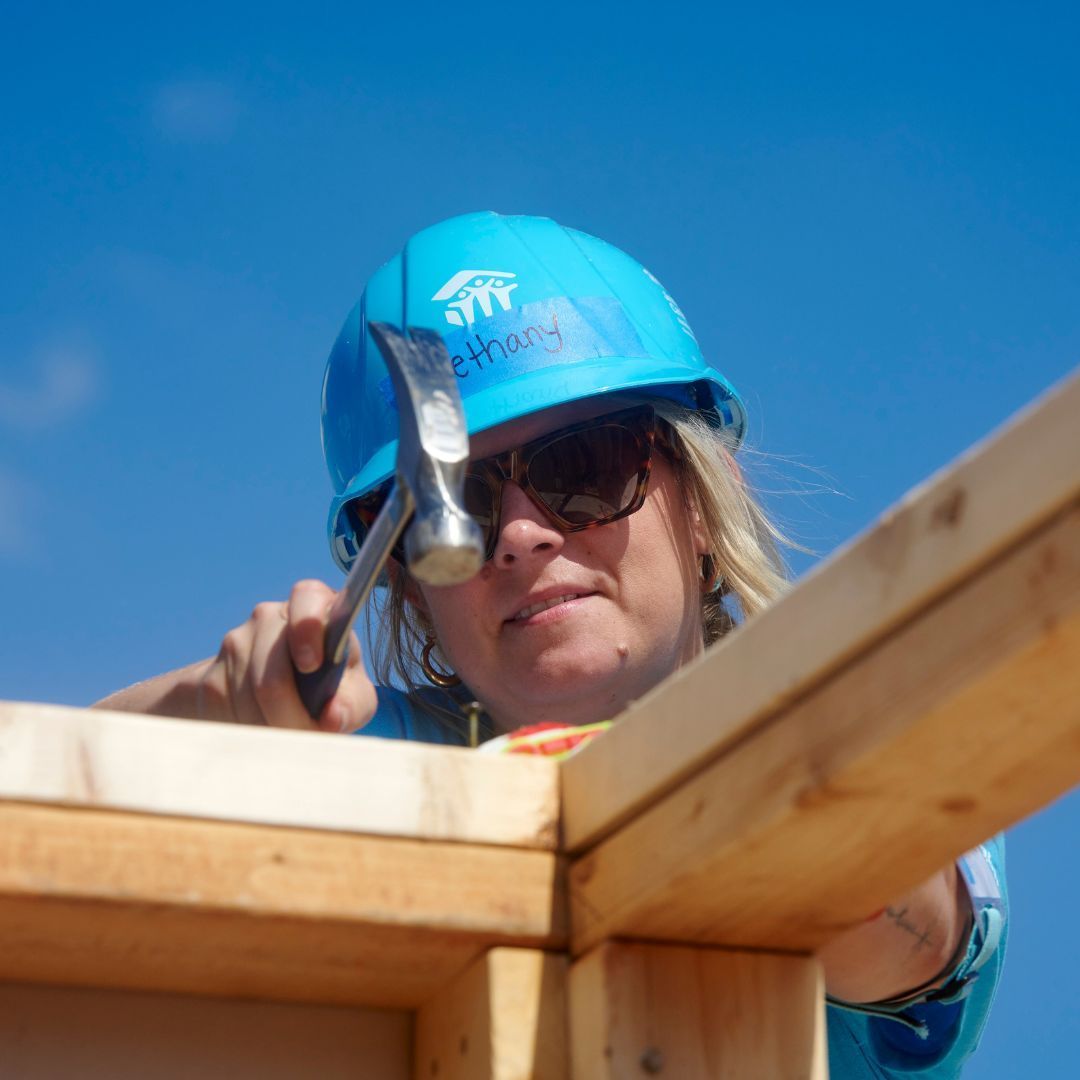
{"x":475,"y":287}
{"x":680,"y":318}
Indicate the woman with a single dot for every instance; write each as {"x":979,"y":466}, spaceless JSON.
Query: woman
{"x":621,"y":542}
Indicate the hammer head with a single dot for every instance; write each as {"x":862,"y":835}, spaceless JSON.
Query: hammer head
{"x":443,"y":545}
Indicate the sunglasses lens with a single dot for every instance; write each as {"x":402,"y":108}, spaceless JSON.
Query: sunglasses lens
{"x":586,"y":477}
{"x":589,"y":476}
{"x":480,"y":505}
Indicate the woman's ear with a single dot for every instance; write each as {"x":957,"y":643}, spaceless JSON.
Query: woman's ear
{"x":698,"y":532}
{"x":702,"y":550}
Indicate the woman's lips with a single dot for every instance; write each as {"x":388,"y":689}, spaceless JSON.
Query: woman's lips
{"x":530,"y":612}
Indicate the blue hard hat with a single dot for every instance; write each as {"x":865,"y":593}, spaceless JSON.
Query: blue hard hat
{"x":533,"y":315}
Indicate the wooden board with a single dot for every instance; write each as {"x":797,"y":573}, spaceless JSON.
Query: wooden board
{"x":130,"y":901}
{"x":640,"y":1010}
{"x":83,"y":757}
{"x":502,"y":1019}
{"x":937,"y":536}
{"x":951,"y":729}
{"x":48,"y":1032}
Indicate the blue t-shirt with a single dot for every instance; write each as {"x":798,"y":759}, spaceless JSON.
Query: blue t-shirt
{"x":397,"y":717}
{"x":930,"y":1041}
{"x":933,"y":1040}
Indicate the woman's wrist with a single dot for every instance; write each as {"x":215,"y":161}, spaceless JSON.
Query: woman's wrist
{"x":174,"y":693}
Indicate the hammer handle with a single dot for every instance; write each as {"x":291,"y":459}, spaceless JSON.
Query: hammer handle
{"x":318,"y":687}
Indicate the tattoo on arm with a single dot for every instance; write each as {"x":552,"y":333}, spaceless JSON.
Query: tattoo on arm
{"x":899,"y":917}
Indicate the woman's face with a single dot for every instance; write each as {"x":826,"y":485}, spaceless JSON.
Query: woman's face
{"x":630,"y":610}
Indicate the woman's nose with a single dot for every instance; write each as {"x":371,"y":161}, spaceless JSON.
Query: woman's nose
{"x":525,"y":531}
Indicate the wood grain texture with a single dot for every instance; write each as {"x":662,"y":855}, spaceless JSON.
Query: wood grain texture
{"x":941,"y":533}
{"x":48,"y":1032}
{"x":92,"y":758}
{"x":130,"y":901}
{"x":696,"y":1014}
{"x":951,"y":729}
{"x":502,"y":1019}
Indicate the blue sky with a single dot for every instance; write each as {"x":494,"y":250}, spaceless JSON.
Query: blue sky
{"x":869,"y":216}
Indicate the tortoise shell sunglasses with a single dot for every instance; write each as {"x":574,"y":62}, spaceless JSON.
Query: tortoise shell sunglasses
{"x":584,"y":475}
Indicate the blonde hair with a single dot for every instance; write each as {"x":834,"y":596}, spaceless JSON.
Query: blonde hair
{"x":745,"y":547}
{"x":744,"y":542}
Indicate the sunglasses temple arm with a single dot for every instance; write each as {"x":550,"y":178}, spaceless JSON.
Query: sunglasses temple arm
{"x":316,"y":688}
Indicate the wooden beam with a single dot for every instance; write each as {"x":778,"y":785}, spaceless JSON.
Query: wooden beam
{"x":130,"y":901}
{"x":52,"y":1031}
{"x":503,"y":1019}
{"x":639,"y":1010}
{"x":940,"y":534}
{"x":956,"y":726}
{"x":118,"y":761}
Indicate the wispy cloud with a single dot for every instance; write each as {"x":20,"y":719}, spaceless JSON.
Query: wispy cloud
{"x":64,"y":381}
{"x":195,"y":110}
{"x":16,"y":508}
{"x":60,"y":382}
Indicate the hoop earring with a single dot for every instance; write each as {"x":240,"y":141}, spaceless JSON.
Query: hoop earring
{"x":442,"y":679}
{"x":710,"y":574}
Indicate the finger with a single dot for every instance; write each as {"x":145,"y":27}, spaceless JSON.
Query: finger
{"x":272,"y":678}
{"x":213,"y":698}
{"x":309,"y":603}
{"x":354,"y":656}
{"x":231,"y":669}
{"x":354,"y":703}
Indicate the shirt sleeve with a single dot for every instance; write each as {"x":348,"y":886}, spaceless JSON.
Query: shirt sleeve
{"x":933,"y":1037}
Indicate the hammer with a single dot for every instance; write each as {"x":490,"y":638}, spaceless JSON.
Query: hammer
{"x":443,"y":545}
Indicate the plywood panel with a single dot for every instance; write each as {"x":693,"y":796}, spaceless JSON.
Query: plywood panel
{"x":92,"y":758}
{"x":706,"y":1014}
{"x":950,"y":730}
{"x":942,"y":532}
{"x":48,"y":1032}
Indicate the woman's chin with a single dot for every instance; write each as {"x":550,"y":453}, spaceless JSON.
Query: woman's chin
{"x":577,"y":688}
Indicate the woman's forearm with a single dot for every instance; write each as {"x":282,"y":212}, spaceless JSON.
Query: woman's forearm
{"x":174,"y":693}
{"x":906,"y":946}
